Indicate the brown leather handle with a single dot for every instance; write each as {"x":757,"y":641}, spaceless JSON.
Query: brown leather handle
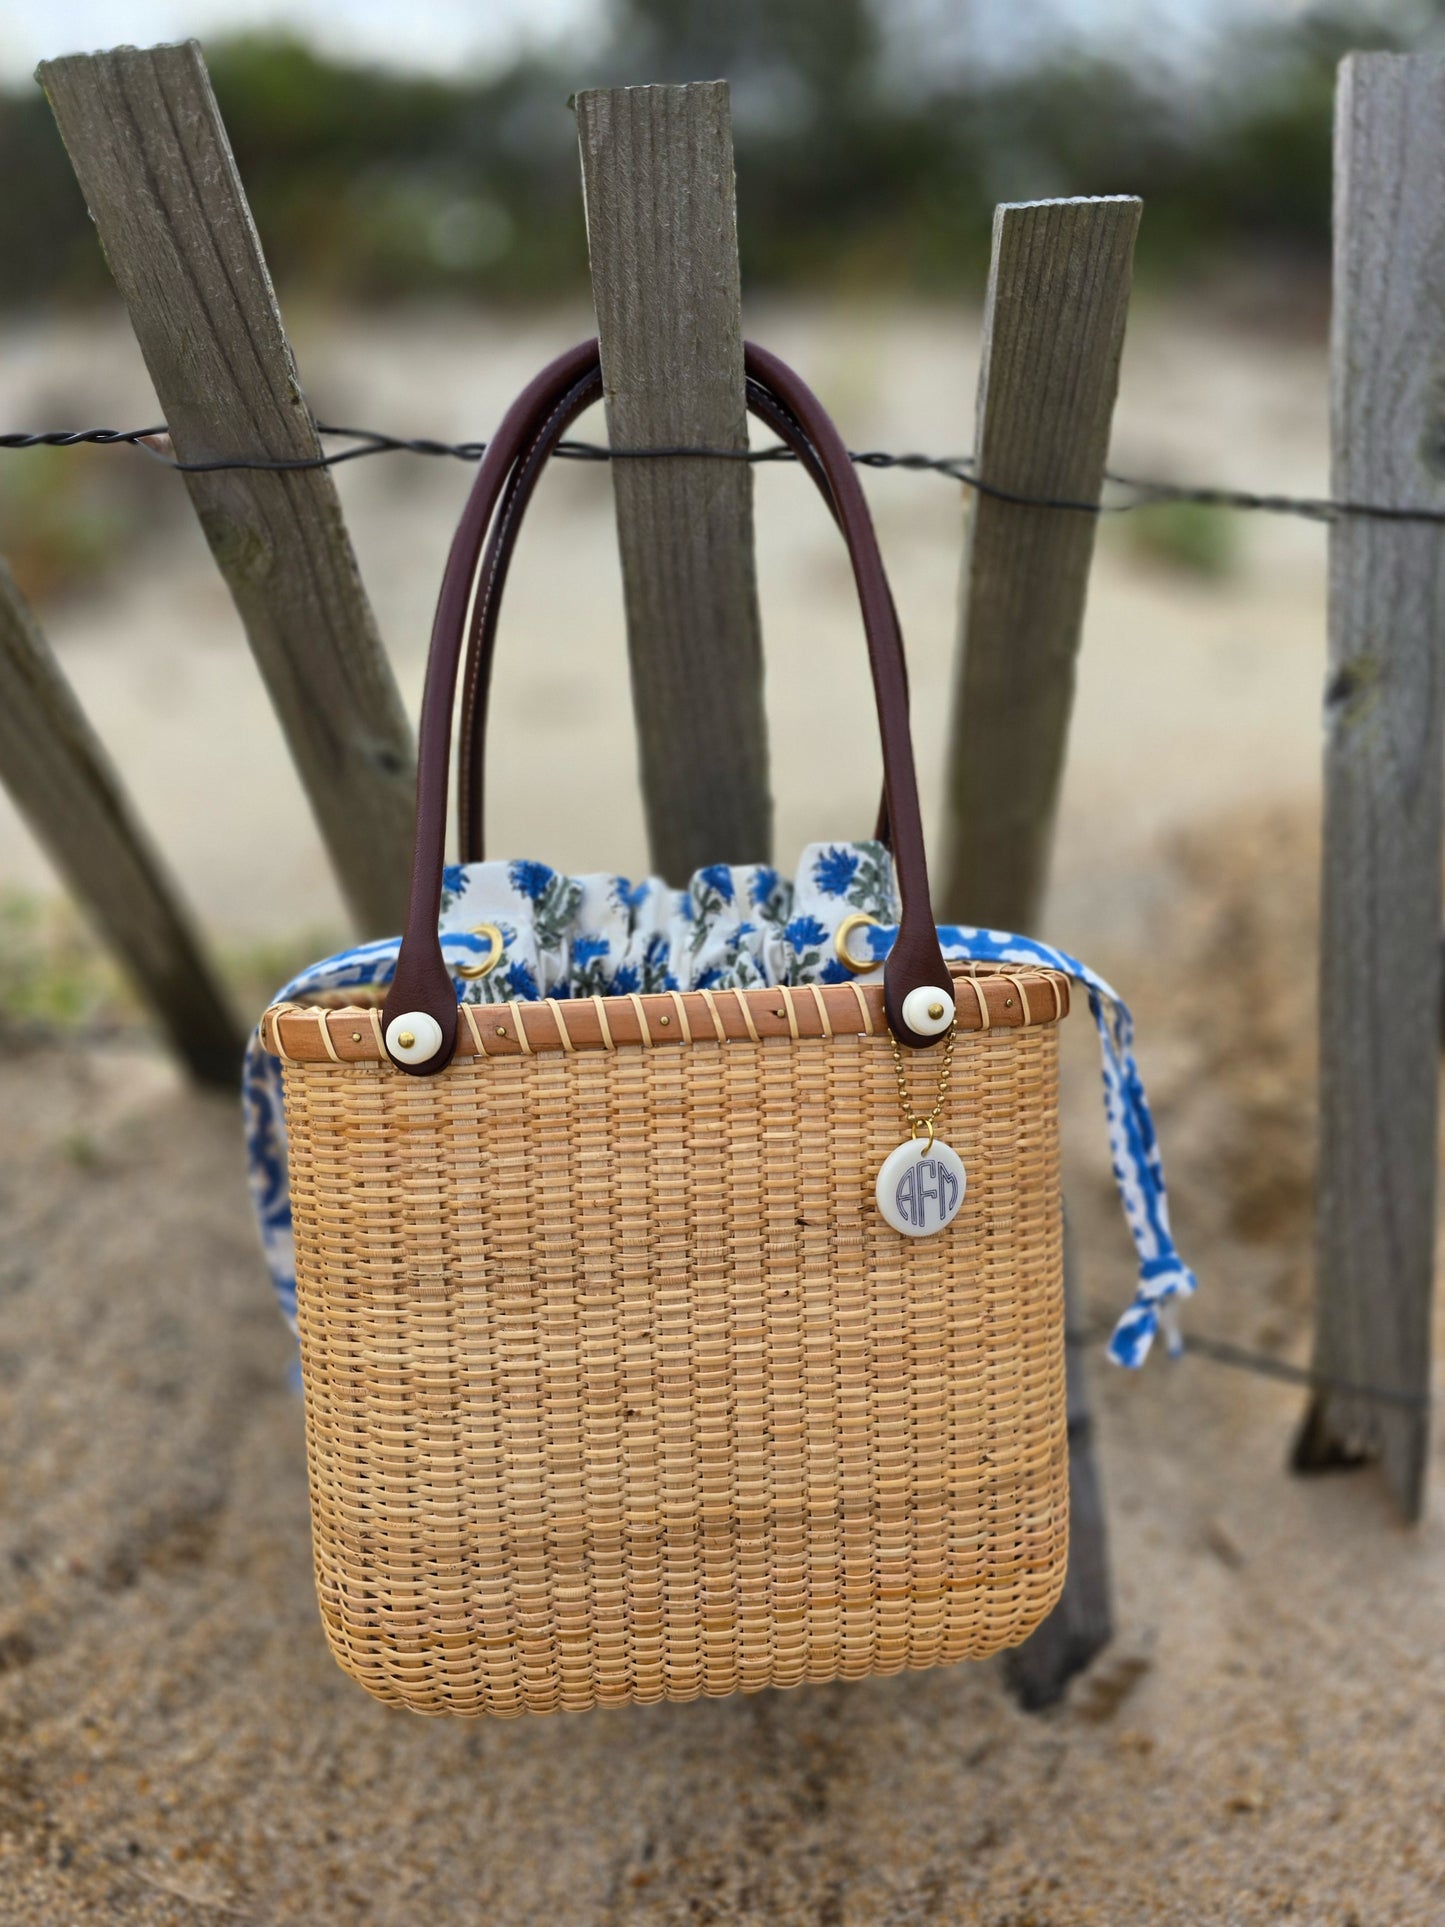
{"x":422,"y":983}
{"x":496,"y":566}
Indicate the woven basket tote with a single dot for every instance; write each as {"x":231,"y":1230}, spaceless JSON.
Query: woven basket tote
{"x":619,"y":1384}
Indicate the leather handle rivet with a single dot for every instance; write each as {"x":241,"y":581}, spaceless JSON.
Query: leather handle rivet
{"x":928,"y":1010}
{"x":414,"y":1037}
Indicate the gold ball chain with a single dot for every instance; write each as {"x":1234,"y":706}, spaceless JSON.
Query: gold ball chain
{"x":919,"y":1122}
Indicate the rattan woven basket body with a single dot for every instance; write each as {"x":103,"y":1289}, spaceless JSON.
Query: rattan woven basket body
{"x":618,"y":1384}
{"x":619,"y":1388}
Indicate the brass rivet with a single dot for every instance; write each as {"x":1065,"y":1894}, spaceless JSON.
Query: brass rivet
{"x":356,"y":1037}
{"x":1008,"y":1003}
{"x":405,"y":1040}
{"x":780,"y":1013}
{"x":664,"y":1018}
{"x":935,"y":1011}
{"x":501,"y":1030}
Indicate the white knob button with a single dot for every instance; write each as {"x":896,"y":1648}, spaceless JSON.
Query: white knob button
{"x":414,"y":1037}
{"x":928,"y":1011}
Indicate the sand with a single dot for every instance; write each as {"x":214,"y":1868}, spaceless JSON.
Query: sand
{"x":1261,"y":1743}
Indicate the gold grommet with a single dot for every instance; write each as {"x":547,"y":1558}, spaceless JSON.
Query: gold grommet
{"x":497,"y":943}
{"x":857,"y":921}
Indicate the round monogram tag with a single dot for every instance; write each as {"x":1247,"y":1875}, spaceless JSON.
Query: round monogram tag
{"x":920,"y":1187}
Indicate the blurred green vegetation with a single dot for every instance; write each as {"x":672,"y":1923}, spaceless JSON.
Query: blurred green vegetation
{"x":1186,"y":538}
{"x":54,"y":976}
{"x":861,"y":161}
{"x":58,"y":978}
{"x":70,"y":516}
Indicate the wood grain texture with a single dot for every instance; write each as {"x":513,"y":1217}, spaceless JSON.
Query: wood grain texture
{"x":657,"y":173}
{"x":148,"y":147}
{"x":61,"y":781}
{"x":1380,"y":975}
{"x":669,"y":1019}
{"x":1058,"y":294}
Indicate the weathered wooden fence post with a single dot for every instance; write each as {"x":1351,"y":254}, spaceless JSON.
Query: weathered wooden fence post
{"x":146,"y":141}
{"x":1058,"y":296}
{"x":657,"y":175}
{"x":64,"y":786}
{"x":1380,"y":969}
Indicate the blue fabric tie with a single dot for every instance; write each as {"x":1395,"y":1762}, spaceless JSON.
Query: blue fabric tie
{"x":734,"y":927}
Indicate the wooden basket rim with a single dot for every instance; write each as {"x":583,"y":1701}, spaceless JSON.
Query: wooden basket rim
{"x":987,"y":997}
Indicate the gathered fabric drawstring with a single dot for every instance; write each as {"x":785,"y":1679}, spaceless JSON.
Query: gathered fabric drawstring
{"x":733,"y":927}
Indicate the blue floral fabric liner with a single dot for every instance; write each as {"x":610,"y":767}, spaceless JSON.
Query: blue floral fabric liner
{"x":735,"y":927}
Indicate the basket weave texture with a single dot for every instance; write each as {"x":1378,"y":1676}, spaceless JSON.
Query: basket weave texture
{"x":619,"y":1387}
